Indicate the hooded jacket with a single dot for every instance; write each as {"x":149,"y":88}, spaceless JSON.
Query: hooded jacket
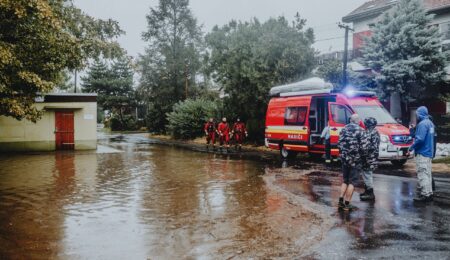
{"x":350,"y":145}
{"x":424,"y":135}
{"x":371,"y":144}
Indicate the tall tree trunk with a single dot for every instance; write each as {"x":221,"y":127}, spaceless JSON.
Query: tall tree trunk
{"x":396,"y":107}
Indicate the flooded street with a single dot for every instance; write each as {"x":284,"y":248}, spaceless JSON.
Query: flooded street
{"x":134,"y":199}
{"x":137,"y":200}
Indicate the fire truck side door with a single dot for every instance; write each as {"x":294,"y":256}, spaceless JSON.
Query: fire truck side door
{"x":338,"y":117}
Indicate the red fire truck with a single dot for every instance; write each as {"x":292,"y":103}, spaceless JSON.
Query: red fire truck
{"x":298,"y":112}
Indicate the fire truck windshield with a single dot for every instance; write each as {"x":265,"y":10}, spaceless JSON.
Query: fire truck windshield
{"x":379,"y":113}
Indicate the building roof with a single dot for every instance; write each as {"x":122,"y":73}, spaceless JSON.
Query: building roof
{"x":376,"y":7}
{"x":67,"y":97}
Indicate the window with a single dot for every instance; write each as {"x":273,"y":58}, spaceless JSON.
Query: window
{"x":379,"y":113}
{"x":340,"y":114}
{"x":445,"y":31}
{"x":295,"y":115}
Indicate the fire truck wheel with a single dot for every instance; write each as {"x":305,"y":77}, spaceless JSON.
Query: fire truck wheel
{"x":285,"y":154}
{"x":398,"y":163}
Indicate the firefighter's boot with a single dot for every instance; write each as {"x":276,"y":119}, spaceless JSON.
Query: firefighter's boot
{"x":368,"y":195}
{"x":365,"y":191}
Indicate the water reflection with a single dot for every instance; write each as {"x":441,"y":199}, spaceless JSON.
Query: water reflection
{"x":148,"y":201}
{"x":24,"y":231}
{"x":162,"y":202}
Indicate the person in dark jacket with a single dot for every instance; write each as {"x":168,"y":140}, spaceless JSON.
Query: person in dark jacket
{"x":423,"y":148}
{"x":371,"y":145}
{"x":350,"y":148}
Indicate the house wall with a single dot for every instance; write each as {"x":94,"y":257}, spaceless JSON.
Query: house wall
{"x":363,"y":26}
{"x":28,"y":136}
{"x":441,"y":18}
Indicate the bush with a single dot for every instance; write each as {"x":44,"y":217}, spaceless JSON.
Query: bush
{"x":256,"y":128}
{"x":155,"y":118}
{"x":188,"y":117}
{"x":128,"y":123}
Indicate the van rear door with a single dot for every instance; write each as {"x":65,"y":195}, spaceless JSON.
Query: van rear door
{"x":338,"y":117}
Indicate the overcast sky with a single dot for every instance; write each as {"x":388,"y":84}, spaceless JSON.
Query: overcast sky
{"x":322,"y":16}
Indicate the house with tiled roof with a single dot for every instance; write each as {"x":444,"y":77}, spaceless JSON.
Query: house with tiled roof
{"x":370,"y":12}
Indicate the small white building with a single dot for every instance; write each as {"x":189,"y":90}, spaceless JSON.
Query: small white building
{"x":69,"y":122}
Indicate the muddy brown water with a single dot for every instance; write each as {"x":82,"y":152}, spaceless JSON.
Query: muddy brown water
{"x":144,"y":201}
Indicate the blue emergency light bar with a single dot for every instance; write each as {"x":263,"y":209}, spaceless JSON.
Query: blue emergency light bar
{"x":358,"y":93}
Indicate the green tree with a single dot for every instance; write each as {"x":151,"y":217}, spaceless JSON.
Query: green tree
{"x":95,"y":37}
{"x":114,"y":86}
{"x":37,"y":43}
{"x":331,"y":71}
{"x":187,"y":118}
{"x":405,"y":50}
{"x":248,"y":58}
{"x":97,"y":80}
{"x":64,"y":82}
{"x":171,"y":61}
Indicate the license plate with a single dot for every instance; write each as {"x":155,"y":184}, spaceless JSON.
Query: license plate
{"x":392,"y":148}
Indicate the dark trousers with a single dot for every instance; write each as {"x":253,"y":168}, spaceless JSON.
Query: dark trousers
{"x":350,"y":175}
{"x":327,"y":149}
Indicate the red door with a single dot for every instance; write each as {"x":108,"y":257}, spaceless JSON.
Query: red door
{"x":64,"y":130}
{"x":338,"y":117}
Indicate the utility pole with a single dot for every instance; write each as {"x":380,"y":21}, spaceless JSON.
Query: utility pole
{"x":75,"y":86}
{"x":345,"y":57}
{"x":186,"y":83}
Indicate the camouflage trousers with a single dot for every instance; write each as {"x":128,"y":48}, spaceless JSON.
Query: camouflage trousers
{"x":423,"y":167}
{"x":367,"y":175}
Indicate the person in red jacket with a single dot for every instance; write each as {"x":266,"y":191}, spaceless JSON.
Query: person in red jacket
{"x":224,"y":133}
{"x":210,"y":132}
{"x":238,"y":132}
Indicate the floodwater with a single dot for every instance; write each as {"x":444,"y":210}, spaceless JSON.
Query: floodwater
{"x":137,"y":200}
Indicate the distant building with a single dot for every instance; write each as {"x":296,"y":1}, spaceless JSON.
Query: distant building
{"x":370,"y":13}
{"x":69,"y":122}
{"x":337,"y":55}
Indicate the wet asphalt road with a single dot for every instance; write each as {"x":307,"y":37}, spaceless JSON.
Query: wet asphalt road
{"x":392,"y":227}
{"x":137,"y":199}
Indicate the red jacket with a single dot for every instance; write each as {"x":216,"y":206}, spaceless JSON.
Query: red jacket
{"x":239,"y":127}
{"x":223,"y":128}
{"x":209,"y":127}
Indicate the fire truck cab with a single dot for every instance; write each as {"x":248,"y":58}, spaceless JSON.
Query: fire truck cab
{"x":298,"y":113}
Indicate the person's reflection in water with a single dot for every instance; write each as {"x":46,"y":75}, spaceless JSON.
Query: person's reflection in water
{"x":344,"y":217}
{"x":368,"y":229}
